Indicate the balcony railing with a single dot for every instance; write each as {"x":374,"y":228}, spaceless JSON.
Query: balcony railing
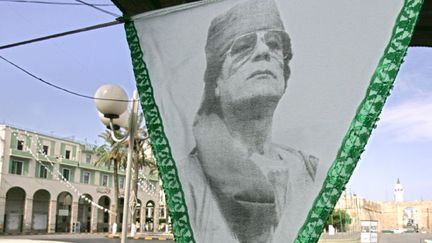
{"x":71,"y":161}
{"x":43,"y":157}
{"x":20,"y":153}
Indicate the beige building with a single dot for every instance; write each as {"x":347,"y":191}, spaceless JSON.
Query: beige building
{"x":50,"y":184}
{"x":397,"y":214}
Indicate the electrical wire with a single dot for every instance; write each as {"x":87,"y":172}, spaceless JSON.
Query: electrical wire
{"x":58,"y":87}
{"x":97,"y":8}
{"x":98,"y":26}
{"x":57,"y":3}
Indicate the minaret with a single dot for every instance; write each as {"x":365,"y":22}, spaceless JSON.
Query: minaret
{"x":398,"y":192}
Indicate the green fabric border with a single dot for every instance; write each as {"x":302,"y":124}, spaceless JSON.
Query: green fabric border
{"x":362,"y":125}
{"x":167,"y":167}
{"x":348,"y":155}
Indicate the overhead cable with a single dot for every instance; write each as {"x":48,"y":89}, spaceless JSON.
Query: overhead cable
{"x":97,"y":8}
{"x":57,"y":3}
{"x":56,"y":86}
{"x":98,"y":26}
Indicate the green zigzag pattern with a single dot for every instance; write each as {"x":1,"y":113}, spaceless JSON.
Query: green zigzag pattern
{"x":342,"y":168}
{"x":167,"y":169}
{"x":362,"y":125}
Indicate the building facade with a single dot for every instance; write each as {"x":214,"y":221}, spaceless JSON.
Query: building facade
{"x":50,"y":184}
{"x":396,"y":215}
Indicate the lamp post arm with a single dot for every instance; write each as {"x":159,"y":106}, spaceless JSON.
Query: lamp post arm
{"x":114,"y":137}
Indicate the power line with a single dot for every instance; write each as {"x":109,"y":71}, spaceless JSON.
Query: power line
{"x":56,"y":86}
{"x":57,"y":3}
{"x":98,"y":26}
{"x":97,"y":8}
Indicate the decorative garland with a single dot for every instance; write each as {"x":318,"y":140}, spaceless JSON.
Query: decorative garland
{"x":348,"y":155}
{"x":362,"y":125}
{"x":57,"y":174}
{"x":145,"y":185}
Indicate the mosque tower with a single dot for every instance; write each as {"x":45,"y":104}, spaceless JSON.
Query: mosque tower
{"x":398,"y":192}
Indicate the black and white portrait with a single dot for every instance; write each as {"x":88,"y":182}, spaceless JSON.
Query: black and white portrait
{"x":256,"y":98}
{"x":245,"y":181}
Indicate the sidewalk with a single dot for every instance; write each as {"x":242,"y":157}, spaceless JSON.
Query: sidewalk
{"x":28,"y":241}
{"x":101,"y":235}
{"x":353,"y":237}
{"x":53,"y":236}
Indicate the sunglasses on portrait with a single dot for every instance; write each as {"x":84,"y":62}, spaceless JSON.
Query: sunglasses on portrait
{"x":276,"y":41}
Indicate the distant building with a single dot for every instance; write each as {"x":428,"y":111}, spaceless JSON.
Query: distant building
{"x":50,"y":184}
{"x":397,"y":214}
{"x":398,"y":192}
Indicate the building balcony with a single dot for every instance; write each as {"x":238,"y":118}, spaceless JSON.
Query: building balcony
{"x":91,"y":166}
{"x":69,"y":162}
{"x":20,"y":154}
{"x":48,"y":158}
{"x":87,"y":166}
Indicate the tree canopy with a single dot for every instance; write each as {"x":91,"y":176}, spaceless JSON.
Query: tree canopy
{"x":340,"y":219}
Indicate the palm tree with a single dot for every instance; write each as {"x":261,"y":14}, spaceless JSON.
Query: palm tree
{"x":115,"y":154}
{"x":140,"y":159}
{"x":111,"y":154}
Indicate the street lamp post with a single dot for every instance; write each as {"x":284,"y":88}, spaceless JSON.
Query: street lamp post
{"x":111,"y":101}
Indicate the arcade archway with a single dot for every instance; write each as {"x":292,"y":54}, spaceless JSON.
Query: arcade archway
{"x":84,"y":213}
{"x":40,"y":213}
{"x":63,"y":216}
{"x":103,"y":215}
{"x":149,"y":216}
{"x":14,"y":210}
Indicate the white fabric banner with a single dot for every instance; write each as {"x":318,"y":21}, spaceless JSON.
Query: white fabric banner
{"x":256,"y":97}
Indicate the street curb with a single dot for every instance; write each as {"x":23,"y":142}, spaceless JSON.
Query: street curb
{"x":153,"y":238}
{"x":142,"y":237}
{"x":45,"y":233}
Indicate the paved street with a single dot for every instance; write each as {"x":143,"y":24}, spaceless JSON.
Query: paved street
{"x":101,"y":238}
{"x":75,"y":238}
{"x":383,"y":238}
{"x":404,"y":238}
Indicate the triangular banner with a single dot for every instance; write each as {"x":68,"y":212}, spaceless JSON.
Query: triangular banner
{"x":258,"y":110}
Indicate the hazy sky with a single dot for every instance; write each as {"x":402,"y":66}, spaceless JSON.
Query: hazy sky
{"x":400,"y":147}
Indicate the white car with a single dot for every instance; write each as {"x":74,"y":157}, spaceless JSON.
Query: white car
{"x":398,"y":231}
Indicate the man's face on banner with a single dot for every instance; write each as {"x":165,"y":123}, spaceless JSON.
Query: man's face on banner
{"x":253,"y":67}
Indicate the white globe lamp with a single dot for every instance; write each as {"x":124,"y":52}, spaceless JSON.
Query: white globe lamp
{"x":111,"y":100}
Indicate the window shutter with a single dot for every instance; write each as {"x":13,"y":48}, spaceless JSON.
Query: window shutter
{"x":14,"y":141}
{"x":74,"y":155}
{"x":26,"y":167}
{"x":62,"y":150}
{"x":10,"y":166}
{"x":52,"y":147}
{"x":28,"y":142}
